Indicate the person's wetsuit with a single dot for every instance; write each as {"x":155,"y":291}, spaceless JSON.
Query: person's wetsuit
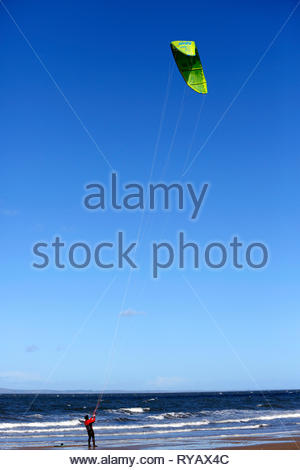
{"x":89,"y":427}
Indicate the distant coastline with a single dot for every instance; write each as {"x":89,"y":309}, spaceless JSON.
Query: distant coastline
{"x":4,"y":391}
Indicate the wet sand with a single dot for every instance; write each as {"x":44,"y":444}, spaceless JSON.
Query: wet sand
{"x":80,"y":447}
{"x":242,"y":443}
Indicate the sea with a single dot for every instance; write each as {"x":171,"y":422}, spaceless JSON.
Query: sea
{"x":149,"y":420}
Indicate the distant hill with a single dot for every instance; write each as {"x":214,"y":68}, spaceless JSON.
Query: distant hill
{"x":16,"y":391}
{"x":96,"y":392}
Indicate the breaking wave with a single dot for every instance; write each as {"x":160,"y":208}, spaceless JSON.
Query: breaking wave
{"x":38,"y":424}
{"x":129,"y":411}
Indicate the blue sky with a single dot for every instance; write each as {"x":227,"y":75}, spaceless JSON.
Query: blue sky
{"x":194,"y":329}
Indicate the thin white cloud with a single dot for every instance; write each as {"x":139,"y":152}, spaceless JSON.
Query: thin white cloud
{"x":130,"y":312}
{"x":16,"y":375}
{"x":9,"y":212}
{"x":162,"y":381}
{"x":31,"y":348}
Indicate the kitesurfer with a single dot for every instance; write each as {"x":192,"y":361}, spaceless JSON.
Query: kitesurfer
{"x":88,"y":422}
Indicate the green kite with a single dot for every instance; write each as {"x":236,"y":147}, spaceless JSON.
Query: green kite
{"x":188,"y":62}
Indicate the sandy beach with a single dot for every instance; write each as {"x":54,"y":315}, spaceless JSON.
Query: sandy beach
{"x":289,"y":443}
{"x":244,"y":443}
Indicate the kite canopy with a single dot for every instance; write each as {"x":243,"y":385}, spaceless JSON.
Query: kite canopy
{"x":188,"y":62}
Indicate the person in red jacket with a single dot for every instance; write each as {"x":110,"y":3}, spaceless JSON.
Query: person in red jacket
{"x":88,"y":422}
